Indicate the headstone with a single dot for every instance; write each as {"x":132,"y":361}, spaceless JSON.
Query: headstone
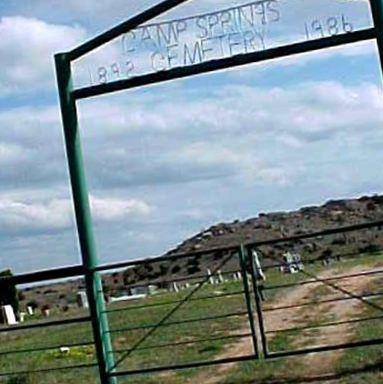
{"x":152,"y":289}
{"x":141,"y":290}
{"x":292,"y":263}
{"x":126,"y":298}
{"x":8,"y":315}
{"x":211,"y":278}
{"x":175,"y":287}
{"x":82,"y":299}
{"x":239,"y":275}
{"x":220,"y":277}
{"x":30,"y":311}
{"x":259,"y":275}
{"x":22,"y":316}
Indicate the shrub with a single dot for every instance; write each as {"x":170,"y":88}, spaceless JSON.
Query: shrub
{"x":33,"y":304}
{"x":8,"y":292}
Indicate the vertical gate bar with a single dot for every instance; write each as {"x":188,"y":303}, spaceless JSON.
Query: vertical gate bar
{"x":258,"y":305}
{"x":93,"y":280}
{"x":377,"y":15}
{"x":242,"y":259}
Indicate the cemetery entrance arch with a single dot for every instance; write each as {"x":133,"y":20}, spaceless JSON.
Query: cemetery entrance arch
{"x":195,"y":60}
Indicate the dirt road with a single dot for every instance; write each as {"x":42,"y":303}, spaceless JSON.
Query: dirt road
{"x":314,"y":364}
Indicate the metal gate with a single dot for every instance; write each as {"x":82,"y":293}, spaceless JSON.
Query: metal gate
{"x":69,"y":96}
{"x":337,"y":294}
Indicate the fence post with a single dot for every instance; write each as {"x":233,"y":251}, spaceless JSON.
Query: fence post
{"x":242,"y":259}
{"x":377,"y":15}
{"x":258,"y":305}
{"x":93,"y":280}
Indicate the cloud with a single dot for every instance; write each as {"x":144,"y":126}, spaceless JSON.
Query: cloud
{"x":17,"y":215}
{"x":31,"y":148}
{"x":109,"y":209}
{"x":188,"y":136}
{"x":27,"y":47}
{"x":228,"y":132}
{"x":101,"y":13}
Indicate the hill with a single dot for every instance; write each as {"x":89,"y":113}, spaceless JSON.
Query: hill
{"x":335,"y":213}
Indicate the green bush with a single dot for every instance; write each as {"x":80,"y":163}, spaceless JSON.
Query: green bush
{"x":8,"y":292}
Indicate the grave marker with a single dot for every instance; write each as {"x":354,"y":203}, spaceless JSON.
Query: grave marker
{"x":8,"y":315}
{"x":82,"y":299}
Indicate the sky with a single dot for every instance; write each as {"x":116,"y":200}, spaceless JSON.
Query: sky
{"x":166,"y":161}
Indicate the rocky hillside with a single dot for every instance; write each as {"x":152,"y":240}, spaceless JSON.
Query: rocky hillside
{"x":335,"y":213}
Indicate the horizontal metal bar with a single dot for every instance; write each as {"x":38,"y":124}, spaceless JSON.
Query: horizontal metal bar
{"x":323,"y":280}
{"x":178,"y":322}
{"x":325,"y":348}
{"x":330,"y":324}
{"x":220,"y":64}
{"x":55,"y":323}
{"x":134,"y":307}
{"x":183,"y":366}
{"x":47,"y":370}
{"x":51,"y":274}
{"x":43,"y":349}
{"x":198,"y":341}
{"x":283,"y":307}
{"x":122,"y":28}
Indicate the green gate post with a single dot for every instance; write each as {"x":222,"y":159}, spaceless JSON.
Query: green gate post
{"x":258,"y":303}
{"x":243,"y":259}
{"x":83,"y":219}
{"x":377,"y":14}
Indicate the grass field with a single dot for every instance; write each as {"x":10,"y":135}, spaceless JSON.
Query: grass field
{"x":351,"y":366}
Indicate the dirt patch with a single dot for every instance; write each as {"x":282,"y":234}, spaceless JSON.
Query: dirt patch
{"x":313,"y":364}
{"x":244,"y":347}
{"x":324,"y":363}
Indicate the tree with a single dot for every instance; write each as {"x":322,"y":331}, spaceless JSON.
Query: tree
{"x":8,"y":291}
{"x":33,"y":304}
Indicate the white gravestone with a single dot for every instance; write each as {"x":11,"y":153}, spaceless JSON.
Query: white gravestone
{"x":30,"y":310}
{"x":259,"y":275}
{"x":211,"y":278}
{"x":8,"y":315}
{"x":82,"y":299}
{"x":220,"y":277}
{"x":22,"y":317}
{"x":175,"y":287}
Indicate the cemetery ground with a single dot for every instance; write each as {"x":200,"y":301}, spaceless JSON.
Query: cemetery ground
{"x":343,"y":367}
